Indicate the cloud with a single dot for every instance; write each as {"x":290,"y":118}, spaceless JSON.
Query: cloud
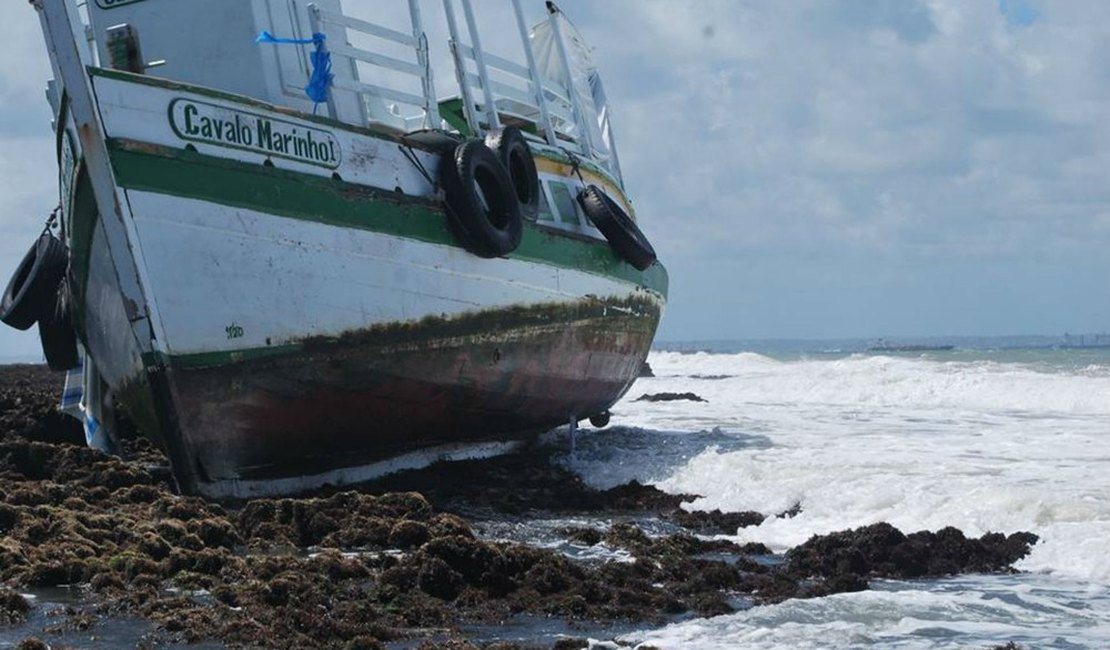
{"x":838,"y":138}
{"x":920,"y":161}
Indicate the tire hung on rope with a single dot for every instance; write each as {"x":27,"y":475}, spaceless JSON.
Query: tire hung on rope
{"x":620,"y":230}
{"x":482,"y":207}
{"x":32,"y":292}
{"x":512,"y":150}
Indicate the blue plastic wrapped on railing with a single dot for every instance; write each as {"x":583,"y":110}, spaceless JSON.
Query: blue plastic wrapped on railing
{"x":320,"y":81}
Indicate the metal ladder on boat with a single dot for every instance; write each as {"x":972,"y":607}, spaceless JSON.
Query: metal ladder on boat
{"x":417,"y":40}
{"x":542,"y":102}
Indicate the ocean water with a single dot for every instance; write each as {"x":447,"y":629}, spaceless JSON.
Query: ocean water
{"x":982,"y":439}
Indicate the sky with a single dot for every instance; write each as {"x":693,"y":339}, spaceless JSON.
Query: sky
{"x":805,"y":168}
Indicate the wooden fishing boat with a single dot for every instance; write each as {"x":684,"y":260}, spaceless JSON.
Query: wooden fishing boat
{"x":290,"y":285}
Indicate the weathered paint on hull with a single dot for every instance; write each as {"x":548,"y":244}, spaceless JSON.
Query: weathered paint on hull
{"x":381,"y":393}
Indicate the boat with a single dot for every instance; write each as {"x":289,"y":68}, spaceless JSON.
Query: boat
{"x":281,"y":255}
{"x":1084,"y":342}
{"x":883,"y":345}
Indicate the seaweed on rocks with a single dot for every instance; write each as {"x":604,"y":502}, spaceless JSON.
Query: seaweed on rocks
{"x":28,"y":406}
{"x":13,"y":607}
{"x":394,"y":560}
{"x":846,"y":559}
{"x":522,"y":483}
{"x":670,"y":397}
{"x":715,"y":522}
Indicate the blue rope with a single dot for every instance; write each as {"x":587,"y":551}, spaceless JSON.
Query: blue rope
{"x":321,"y":79}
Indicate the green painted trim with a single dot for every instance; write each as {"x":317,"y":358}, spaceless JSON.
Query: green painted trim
{"x":223,"y":357}
{"x":305,"y":197}
{"x":451,"y":110}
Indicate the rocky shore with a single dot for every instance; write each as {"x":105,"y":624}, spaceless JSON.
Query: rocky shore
{"x":402,"y":562}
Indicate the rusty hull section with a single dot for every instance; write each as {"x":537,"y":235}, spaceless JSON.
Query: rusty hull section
{"x":377,"y":393}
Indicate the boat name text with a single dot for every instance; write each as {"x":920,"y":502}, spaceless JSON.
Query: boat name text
{"x":228,"y":127}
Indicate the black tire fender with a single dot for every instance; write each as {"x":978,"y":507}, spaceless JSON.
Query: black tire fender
{"x":600,"y":420}
{"x":482,"y":207}
{"x":513,"y":151}
{"x":620,"y":230}
{"x":59,"y":342}
{"x":33,"y":289}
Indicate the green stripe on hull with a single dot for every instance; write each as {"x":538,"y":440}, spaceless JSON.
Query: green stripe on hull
{"x":305,"y":197}
{"x":638,"y":315}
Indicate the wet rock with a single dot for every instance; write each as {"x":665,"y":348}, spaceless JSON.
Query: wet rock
{"x":669,"y":397}
{"x":522,"y":483}
{"x":28,"y":406}
{"x":13,"y":607}
{"x":364,"y":643}
{"x":645,"y":370}
{"x":436,"y":578}
{"x":791,"y":512}
{"x":880,"y":550}
{"x":627,"y":536}
{"x":407,"y":534}
{"x":345,"y":518}
{"x":584,"y":536}
{"x":281,"y":572}
{"x":715,"y":522}
{"x":32,"y":644}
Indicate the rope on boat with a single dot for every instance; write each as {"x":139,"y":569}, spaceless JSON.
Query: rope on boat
{"x":321,"y":79}
{"x":52,"y":220}
{"x":412,"y":158}
{"x":575,"y":161}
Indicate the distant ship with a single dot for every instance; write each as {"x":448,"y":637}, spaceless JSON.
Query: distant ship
{"x":1085,"y":341}
{"x":883,"y":346}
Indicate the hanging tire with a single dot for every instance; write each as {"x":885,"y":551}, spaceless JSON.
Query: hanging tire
{"x":620,"y":230}
{"x":32,"y":291}
{"x":512,"y":150}
{"x":59,"y":341}
{"x":481,"y":205}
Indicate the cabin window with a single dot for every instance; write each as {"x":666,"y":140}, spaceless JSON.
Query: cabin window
{"x":565,"y":204}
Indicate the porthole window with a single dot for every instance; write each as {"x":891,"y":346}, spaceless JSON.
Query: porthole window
{"x":565,"y":204}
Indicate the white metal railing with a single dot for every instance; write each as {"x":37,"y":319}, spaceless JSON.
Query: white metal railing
{"x":375,"y":95}
{"x":524,"y":93}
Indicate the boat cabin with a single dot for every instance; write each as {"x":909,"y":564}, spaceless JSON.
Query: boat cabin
{"x":380,"y":63}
